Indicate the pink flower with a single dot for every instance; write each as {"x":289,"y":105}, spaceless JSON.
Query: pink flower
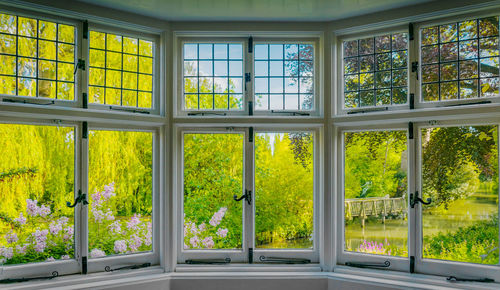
{"x":96,"y":253}
{"x":134,"y":243}
{"x":134,"y":221}
{"x":55,"y":228}
{"x":11,"y":238}
{"x":208,"y":242}
{"x":21,"y":220}
{"x":120,"y":246}
{"x":222,"y":233}
{"x":194,"y":241}
{"x":218,"y":216}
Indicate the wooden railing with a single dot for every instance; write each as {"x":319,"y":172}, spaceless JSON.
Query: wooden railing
{"x":375,"y":206}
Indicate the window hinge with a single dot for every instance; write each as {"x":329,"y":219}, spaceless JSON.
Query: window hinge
{"x":250,"y":134}
{"x":85,"y":101}
{"x":85,"y":130}
{"x":27,"y":102}
{"x":412,"y":101}
{"x":250,"y":255}
{"x":208,"y":261}
{"x":248,"y":77}
{"x":250,"y":108}
{"x":412,"y":264}
{"x":411,"y":31}
{"x":414,"y":66}
{"x":85,"y":29}
{"x":410,"y":130}
{"x":483,"y":280}
{"x":250,"y":44}
{"x":386,"y":264}
{"x":84,"y":265}
{"x":16,"y":280}
{"x":138,"y":266}
{"x":273,"y":260}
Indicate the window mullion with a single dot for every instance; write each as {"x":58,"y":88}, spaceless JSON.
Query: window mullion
{"x":248,"y":82}
{"x":82,"y":209}
{"x":412,"y":216}
{"x":249,"y":188}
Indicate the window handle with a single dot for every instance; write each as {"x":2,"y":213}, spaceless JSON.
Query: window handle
{"x":414,"y":199}
{"x":81,"y":198}
{"x":208,"y":261}
{"x":484,"y":280}
{"x":16,"y":280}
{"x":386,"y":264}
{"x":273,"y":260}
{"x":247,"y":196}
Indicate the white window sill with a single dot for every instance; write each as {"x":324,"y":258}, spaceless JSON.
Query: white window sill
{"x":184,"y":268}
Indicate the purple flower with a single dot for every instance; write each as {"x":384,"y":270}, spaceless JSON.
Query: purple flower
{"x":40,"y":240}
{"x":96,"y":253}
{"x":55,"y":228}
{"x":218,"y":216}
{"x":63,"y":220}
{"x":68,"y":233}
{"x":11,"y":238}
{"x":109,"y":191}
{"x":65,"y":257}
{"x":208,"y":242}
{"x":134,"y":221}
{"x":8,"y":252}
{"x":21,"y":249}
{"x":21,"y":219}
{"x":222,"y":233}
{"x":120,"y":246}
{"x":134,"y":243}
{"x":44,"y":211}
{"x":50,"y":259}
{"x":115,"y":227}
{"x":202,"y":227}
{"x":32,"y":207}
{"x":194,"y":241}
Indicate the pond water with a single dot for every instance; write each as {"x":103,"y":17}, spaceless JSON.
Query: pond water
{"x":301,"y":243}
{"x":461,"y":213}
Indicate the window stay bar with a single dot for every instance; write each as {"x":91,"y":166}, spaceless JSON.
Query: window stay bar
{"x":27,"y":102}
{"x":369,"y":110}
{"x":128,"y":110}
{"x":206,"y":113}
{"x":472,"y":103}
{"x":386,"y":264}
{"x":291,"y":113}
{"x":482,"y":280}
{"x":208,"y":261}
{"x":133,"y":267}
{"x":16,"y":280}
{"x":274,"y":260}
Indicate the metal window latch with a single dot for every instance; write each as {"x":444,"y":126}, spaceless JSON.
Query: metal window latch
{"x":414,"y":199}
{"x":80,"y":64}
{"x":16,"y":280}
{"x":414,"y":66}
{"x":208,"y":261}
{"x":273,"y":260}
{"x":483,"y":280}
{"x":138,"y":266}
{"x":386,"y":264}
{"x":247,"y":196}
{"x":81,"y":198}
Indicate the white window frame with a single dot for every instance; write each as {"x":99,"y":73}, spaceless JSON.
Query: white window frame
{"x":343,"y":256}
{"x":446,"y":267}
{"x":248,"y":230}
{"x":37,"y":101}
{"x":155,"y":96}
{"x":341,"y":110}
{"x":419,"y":103}
{"x":113,"y":261}
{"x":62,"y":267}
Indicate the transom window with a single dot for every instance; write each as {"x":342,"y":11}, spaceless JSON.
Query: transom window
{"x":376,"y":71}
{"x":213,"y":76}
{"x":460,"y":60}
{"x":284,"y":77}
{"x":37,"y":58}
{"x":121,"y":70}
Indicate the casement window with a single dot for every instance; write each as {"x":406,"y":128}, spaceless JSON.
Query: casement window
{"x":458,"y":60}
{"x":38,"y":57}
{"x":248,"y":195}
{"x":422,"y":199}
{"x":247,"y":77}
{"x":122,"y":69}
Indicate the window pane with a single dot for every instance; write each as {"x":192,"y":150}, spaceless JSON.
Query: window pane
{"x":120,"y":192}
{"x":213,"y":174}
{"x":37,"y":53}
{"x":460,"y":174}
{"x":36,"y":181}
{"x":284,"y":68}
{"x":443,"y":45}
{"x":118,"y":63}
{"x":379,"y":58}
{"x":284,"y":190}
{"x":218,"y":70}
{"x":375,"y":191}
